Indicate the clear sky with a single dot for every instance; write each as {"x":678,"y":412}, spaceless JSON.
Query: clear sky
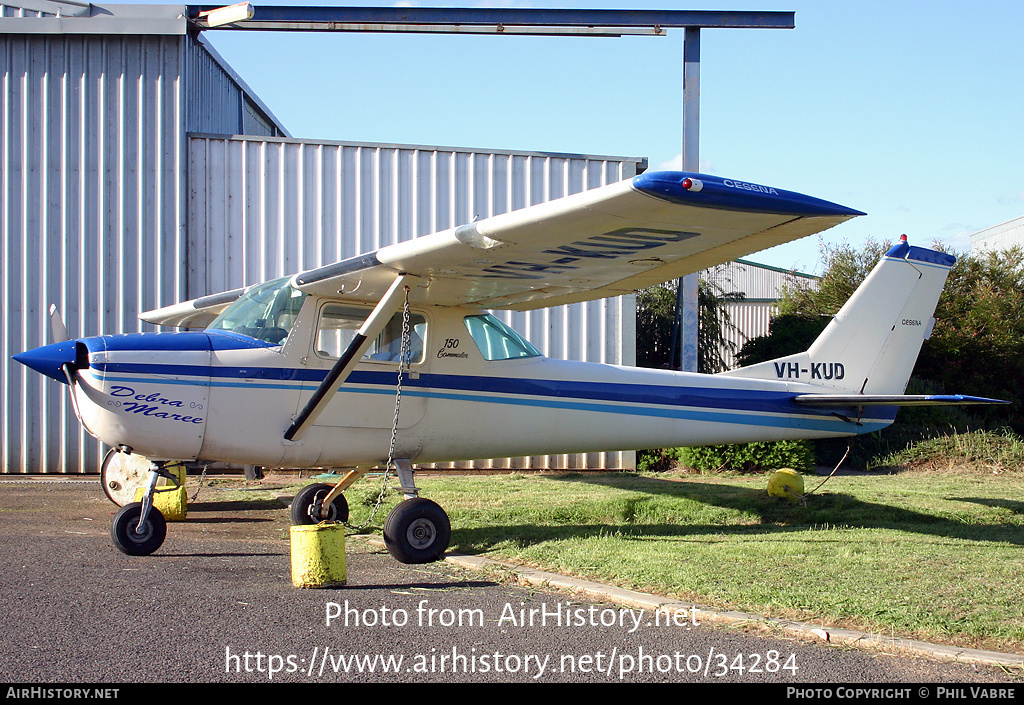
{"x":910,"y":111}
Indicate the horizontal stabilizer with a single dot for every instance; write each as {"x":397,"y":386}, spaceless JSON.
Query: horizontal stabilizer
{"x":891,"y":400}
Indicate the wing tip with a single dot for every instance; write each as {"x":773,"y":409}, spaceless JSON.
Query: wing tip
{"x":732,"y":194}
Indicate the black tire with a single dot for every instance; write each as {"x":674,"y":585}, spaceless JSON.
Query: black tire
{"x":417,"y":531}
{"x":126,"y":536}
{"x":307,"y":502}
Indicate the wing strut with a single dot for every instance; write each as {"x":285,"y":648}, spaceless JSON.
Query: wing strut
{"x":337,"y":375}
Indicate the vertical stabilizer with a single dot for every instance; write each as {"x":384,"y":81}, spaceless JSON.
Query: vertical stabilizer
{"x":872,"y":344}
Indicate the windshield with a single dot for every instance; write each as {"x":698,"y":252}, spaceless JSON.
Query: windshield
{"x":265,"y":312}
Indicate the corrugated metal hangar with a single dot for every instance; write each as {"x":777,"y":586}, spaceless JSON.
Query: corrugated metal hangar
{"x":139,"y":170}
{"x":999,"y":237}
{"x":761,"y":287}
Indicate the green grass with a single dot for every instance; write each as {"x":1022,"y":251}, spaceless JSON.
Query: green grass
{"x":929,"y":556}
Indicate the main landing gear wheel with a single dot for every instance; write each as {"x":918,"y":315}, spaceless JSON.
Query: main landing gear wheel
{"x":417,"y":531}
{"x":308,"y":501}
{"x":122,"y":474}
{"x":133,"y":540}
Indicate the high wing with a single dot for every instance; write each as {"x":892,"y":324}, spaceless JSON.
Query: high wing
{"x":604,"y":242}
{"x":607,"y":241}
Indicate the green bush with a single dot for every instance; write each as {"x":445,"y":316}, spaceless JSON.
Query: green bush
{"x":992,"y":451}
{"x":658,"y":459}
{"x":751,"y":457}
{"x":743,"y":457}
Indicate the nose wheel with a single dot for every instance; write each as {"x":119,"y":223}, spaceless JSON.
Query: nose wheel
{"x":308,"y":503}
{"x":134,"y":537}
{"x":139,"y":528}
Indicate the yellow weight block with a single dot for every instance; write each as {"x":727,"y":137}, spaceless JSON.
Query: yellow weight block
{"x":170,"y":500}
{"x":318,"y":555}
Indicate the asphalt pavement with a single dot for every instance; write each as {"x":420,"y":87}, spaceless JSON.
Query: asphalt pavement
{"x":216,"y":604}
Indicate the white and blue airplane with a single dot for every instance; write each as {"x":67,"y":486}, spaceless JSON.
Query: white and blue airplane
{"x":302,"y":371}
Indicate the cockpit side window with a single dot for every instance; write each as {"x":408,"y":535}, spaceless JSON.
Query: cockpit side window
{"x":264,"y":312}
{"x":496,"y":340}
{"x":339,"y":324}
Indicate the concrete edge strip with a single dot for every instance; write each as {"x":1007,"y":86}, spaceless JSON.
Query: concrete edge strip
{"x":639,"y":600}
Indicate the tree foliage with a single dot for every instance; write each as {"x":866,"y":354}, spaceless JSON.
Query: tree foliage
{"x":977,"y":346}
{"x":714,"y":324}
{"x":807,"y":306}
{"x":788,"y":334}
{"x":657,"y":332}
{"x":655,"y":317}
{"x":845,"y":268}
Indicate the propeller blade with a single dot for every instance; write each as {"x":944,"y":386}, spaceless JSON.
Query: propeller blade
{"x":57,"y":327}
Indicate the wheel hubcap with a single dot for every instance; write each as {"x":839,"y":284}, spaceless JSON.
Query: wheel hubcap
{"x":139,"y":536}
{"x":316,"y":507}
{"x":421,"y":533}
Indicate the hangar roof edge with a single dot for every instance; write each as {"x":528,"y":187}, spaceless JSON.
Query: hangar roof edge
{"x":72,"y":17}
{"x":641,"y":162}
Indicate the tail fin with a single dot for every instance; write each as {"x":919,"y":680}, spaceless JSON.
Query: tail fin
{"x":870,"y":346}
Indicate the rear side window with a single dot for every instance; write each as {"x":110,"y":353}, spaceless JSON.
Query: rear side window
{"x":496,"y":340}
{"x":339,"y":324}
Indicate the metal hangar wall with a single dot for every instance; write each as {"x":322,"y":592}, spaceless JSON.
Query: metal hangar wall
{"x":139,"y":170}
{"x":95,"y":104}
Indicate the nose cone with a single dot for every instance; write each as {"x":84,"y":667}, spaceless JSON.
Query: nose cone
{"x":50,"y":359}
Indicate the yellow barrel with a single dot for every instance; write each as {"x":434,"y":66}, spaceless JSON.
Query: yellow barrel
{"x":170,"y":500}
{"x":318,"y":555}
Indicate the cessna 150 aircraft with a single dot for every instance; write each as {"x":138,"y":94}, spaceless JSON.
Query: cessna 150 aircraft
{"x":301,"y":372}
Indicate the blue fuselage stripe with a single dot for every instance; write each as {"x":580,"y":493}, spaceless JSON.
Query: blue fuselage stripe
{"x":709,"y":414}
{"x":750,"y":407}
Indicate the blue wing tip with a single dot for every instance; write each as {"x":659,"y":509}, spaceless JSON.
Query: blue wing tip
{"x":732,"y":194}
{"x":964,"y":399}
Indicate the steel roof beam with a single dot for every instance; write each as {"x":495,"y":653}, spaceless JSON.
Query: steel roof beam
{"x":491,"y":20}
